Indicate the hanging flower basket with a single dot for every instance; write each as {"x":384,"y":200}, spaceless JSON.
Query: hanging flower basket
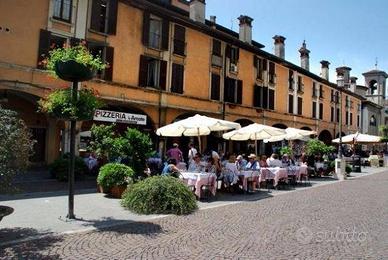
{"x":73,"y":71}
{"x":73,"y":63}
{"x":60,"y":104}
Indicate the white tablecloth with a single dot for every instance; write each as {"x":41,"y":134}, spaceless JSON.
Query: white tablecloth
{"x":199,"y":179}
{"x":245,"y":175}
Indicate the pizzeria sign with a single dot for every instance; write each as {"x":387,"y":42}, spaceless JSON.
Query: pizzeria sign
{"x":119,"y":117}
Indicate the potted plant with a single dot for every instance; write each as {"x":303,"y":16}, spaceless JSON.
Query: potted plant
{"x":60,"y":104}
{"x":114,"y":178}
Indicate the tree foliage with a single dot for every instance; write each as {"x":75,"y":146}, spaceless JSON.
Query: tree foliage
{"x":315,"y":146}
{"x":15,"y":147}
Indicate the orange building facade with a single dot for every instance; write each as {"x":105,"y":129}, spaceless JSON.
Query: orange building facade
{"x":166,"y":62}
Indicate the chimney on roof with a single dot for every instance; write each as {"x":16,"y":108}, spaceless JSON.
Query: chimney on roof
{"x":245,"y":32}
{"x":279,"y":46}
{"x":325,"y":69}
{"x":304,"y":57}
{"x":213,"y":18}
{"x":344,"y":71}
{"x":197,"y":10}
{"x":353,"y":84}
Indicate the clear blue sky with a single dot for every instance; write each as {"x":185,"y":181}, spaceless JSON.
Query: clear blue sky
{"x":344,"y":32}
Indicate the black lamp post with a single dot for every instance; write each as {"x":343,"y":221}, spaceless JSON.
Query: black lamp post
{"x":340,"y":85}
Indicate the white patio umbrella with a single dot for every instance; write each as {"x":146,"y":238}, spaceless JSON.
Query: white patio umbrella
{"x":359,"y":138}
{"x":196,"y":126}
{"x":292,"y":134}
{"x":254,"y":132}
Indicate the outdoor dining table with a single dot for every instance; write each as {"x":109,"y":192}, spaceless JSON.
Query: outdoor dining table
{"x":297,"y":171}
{"x":198,"y":179}
{"x":245,"y":175}
{"x":275,"y":174}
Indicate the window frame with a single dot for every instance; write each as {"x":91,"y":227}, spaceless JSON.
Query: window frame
{"x":60,"y":18}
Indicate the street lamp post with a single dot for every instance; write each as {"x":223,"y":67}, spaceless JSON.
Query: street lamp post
{"x":340,"y":84}
{"x":340,"y":164}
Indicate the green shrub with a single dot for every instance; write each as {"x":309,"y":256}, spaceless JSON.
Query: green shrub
{"x":159,"y":195}
{"x":114,"y":174}
{"x":60,"y":168}
{"x":348,"y":169}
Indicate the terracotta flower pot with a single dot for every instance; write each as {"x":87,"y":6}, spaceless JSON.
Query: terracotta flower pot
{"x":73,"y":71}
{"x":117,"y":191}
{"x":5,"y":211}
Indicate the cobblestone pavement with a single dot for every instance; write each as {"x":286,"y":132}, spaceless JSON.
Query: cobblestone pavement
{"x":345,"y":220}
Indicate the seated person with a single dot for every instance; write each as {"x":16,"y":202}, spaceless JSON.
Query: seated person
{"x":252,"y":164}
{"x":287,"y":161}
{"x":263,"y":161}
{"x":274,"y":161}
{"x":196,"y":165}
{"x":240,"y":162}
{"x":170,"y":168}
{"x":212,"y":166}
{"x":230,"y":171}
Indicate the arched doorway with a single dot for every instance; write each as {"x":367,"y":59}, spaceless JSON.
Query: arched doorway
{"x":306,"y":128}
{"x":281,"y":126}
{"x":325,"y":136}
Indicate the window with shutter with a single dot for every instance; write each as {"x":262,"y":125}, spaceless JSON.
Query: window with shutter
{"x":351,"y":118}
{"x":108,"y":72}
{"x":358,"y":120}
{"x":177,"y":78}
{"x":320,"y":91}
{"x":155,"y":33}
{"x":271,"y":99}
{"x":332,"y":114}
{"x":215,"y":87}
{"x":165,"y":34}
{"x":290,"y":104}
{"x":152,"y":73}
{"x":314,"y":90}
{"x":257,"y":96}
{"x":233,"y":91}
{"x":347,"y":118}
{"x":271,"y":73}
{"x":321,"y":111}
{"x":62,"y":10}
{"x":44,"y":47}
{"x":216,"y":48}
{"x":265,"y":97}
{"x":239,"y":92}
{"x":97,"y":49}
{"x":300,"y":105}
{"x":314,"y":109}
{"x":290,"y":80}
{"x":179,"y":40}
{"x":104,"y":16}
{"x":337,"y":115}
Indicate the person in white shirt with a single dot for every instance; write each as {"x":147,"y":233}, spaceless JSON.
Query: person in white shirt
{"x":252,"y":164}
{"x":274,"y":161}
{"x":192,"y":152}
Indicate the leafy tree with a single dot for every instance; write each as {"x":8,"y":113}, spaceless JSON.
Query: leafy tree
{"x":315,"y":146}
{"x":15,"y":147}
{"x":138,"y":147}
{"x":103,"y":141}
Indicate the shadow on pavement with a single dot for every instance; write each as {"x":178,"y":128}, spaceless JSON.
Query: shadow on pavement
{"x":122,"y":226}
{"x":13,"y":247}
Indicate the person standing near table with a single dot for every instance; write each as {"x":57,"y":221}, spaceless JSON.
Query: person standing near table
{"x":175,"y":153}
{"x":192,"y":153}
